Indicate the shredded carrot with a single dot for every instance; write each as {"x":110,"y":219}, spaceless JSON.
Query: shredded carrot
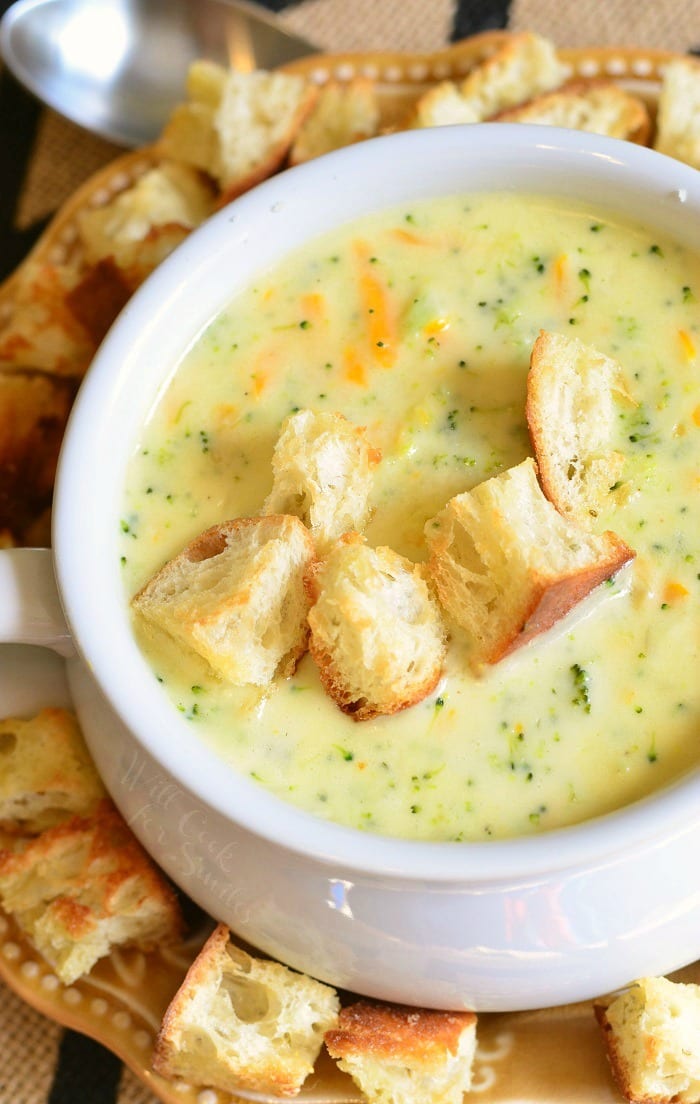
{"x":688,"y":345}
{"x":268,"y":295}
{"x":226,"y":414}
{"x":409,"y":238}
{"x":560,"y":272}
{"x":353,"y":367}
{"x":674,"y":591}
{"x":313,"y":305}
{"x":260,"y":382}
{"x":696,"y":415}
{"x":381,"y":320}
{"x":436,"y":326}
{"x":374,"y":457}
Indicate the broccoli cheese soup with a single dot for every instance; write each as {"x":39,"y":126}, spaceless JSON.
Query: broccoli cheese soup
{"x":418,"y":324}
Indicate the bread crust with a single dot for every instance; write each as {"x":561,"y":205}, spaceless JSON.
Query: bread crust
{"x":396,"y":1031}
{"x":271,"y":1063}
{"x":226,"y":624}
{"x":84,"y":886}
{"x":615,"y":112}
{"x":357,"y":641}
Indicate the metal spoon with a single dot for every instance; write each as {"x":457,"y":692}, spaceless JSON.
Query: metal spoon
{"x":117,"y":67}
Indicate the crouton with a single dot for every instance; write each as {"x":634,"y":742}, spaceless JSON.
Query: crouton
{"x":507,"y":566}
{"x":83,"y":887}
{"x":172,"y":194}
{"x":376,"y":631}
{"x":678,"y":117}
{"x":47,"y":774}
{"x":239,"y":1022}
{"x":238,"y":127}
{"x":598,"y":106}
{"x":341,"y":115}
{"x":401,"y":1055}
{"x":322,"y":469}
{"x":571,"y":415}
{"x":41,"y":331}
{"x":524,"y":67}
{"x":236,"y":596}
{"x":651,"y":1039}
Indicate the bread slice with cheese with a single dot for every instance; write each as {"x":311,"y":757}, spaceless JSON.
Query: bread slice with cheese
{"x":651,"y":1037}
{"x":46,"y":773}
{"x":507,"y":565}
{"x":236,"y":596}
{"x":376,"y":630}
{"x":598,"y":106}
{"x":572,"y":407}
{"x":524,"y":67}
{"x":322,"y":473}
{"x":238,"y":127}
{"x":678,"y":115}
{"x":342,"y":114}
{"x":241,"y":1023}
{"x":83,"y":887}
{"x":401,"y":1055}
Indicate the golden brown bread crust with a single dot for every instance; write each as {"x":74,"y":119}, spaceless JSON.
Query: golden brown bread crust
{"x":418,"y":1036}
{"x":553,"y":600}
{"x":638,"y":121}
{"x":618,"y":1066}
{"x":34,"y":408}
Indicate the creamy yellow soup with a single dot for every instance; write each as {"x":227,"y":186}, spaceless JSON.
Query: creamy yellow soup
{"x":418,"y":324}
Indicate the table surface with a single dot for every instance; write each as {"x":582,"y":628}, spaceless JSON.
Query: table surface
{"x":45,"y":158}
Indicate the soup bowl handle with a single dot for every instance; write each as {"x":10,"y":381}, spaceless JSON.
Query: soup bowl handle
{"x":30,"y":608}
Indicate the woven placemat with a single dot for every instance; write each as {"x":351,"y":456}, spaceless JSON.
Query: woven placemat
{"x":38,"y":1062}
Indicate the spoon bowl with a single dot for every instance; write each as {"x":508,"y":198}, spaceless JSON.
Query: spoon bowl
{"x":118,"y":67}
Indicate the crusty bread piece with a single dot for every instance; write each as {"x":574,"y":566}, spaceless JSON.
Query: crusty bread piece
{"x":46,"y":773}
{"x":236,"y":596}
{"x":651,"y":1037}
{"x":401,"y":1055}
{"x":678,"y":116}
{"x":571,"y":414}
{"x":376,"y":631}
{"x":342,"y":114}
{"x":598,"y":106}
{"x":239,"y":1022}
{"x":238,"y":127}
{"x":507,"y":565}
{"x":34,"y":409}
{"x":525,"y":67}
{"x":83,"y":887}
{"x":322,"y":469}
{"x":172,"y":194}
{"x":42,"y":332}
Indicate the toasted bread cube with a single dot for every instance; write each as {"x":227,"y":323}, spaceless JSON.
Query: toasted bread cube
{"x":571,"y":413}
{"x":322,"y":469}
{"x":46,"y":773}
{"x":598,"y":106}
{"x":526,"y":66}
{"x":507,"y":566}
{"x":651,"y":1037}
{"x":238,"y":127}
{"x":341,"y":115}
{"x":243,"y":1023}
{"x":401,"y":1055}
{"x":376,"y":631}
{"x":170,"y":195}
{"x":83,"y":887}
{"x":678,"y":117}
{"x":236,"y":596}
